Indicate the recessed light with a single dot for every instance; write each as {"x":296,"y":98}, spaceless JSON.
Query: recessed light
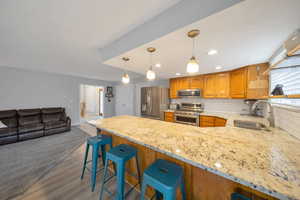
{"x":212,"y":52}
{"x":218,"y":67}
{"x":158,"y":65}
{"x":178,"y":74}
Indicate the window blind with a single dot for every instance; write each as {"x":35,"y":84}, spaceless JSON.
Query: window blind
{"x":290,"y":79}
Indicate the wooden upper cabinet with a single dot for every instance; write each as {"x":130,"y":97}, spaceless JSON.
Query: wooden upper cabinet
{"x":238,"y":83}
{"x":196,"y":82}
{"x":258,"y":81}
{"x":248,"y":82}
{"x":173,"y":88}
{"x":209,"y":90}
{"x":216,"y":85}
{"x":183,"y":83}
{"x":222,"y":85}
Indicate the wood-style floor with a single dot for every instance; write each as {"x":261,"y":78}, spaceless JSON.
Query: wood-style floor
{"x":62,"y":180}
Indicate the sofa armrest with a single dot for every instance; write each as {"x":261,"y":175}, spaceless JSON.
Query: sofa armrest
{"x":69,"y":123}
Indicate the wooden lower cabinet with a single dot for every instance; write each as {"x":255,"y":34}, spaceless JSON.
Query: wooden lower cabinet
{"x":200,"y":184}
{"x":212,"y":121}
{"x":169,"y":116}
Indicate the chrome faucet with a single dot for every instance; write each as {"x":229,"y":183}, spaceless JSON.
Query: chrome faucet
{"x":271,"y":112}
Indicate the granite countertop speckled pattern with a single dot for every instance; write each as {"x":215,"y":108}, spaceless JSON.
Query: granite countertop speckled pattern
{"x":268,"y":161}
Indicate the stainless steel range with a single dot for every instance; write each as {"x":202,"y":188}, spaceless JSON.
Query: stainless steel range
{"x":188,"y":113}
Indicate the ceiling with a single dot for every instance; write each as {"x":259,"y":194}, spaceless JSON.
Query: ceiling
{"x":246,"y":33}
{"x":64,"y":36}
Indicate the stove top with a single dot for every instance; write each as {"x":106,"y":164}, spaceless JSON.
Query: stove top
{"x":187,"y":112}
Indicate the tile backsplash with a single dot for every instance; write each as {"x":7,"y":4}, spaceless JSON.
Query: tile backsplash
{"x":288,"y":120}
{"x":218,"y":105}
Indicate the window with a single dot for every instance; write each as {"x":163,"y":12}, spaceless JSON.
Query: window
{"x":289,"y":77}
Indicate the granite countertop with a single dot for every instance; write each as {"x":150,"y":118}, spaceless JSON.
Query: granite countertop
{"x":267,"y":161}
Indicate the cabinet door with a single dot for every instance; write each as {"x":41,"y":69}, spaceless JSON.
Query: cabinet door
{"x":196,"y":82}
{"x":173,"y":88}
{"x":209,"y":86}
{"x":183,"y":83}
{"x":238,"y":83}
{"x":207,"y":121}
{"x":222,"y":85}
{"x":220,"y":122}
{"x":169,"y":116}
{"x":258,"y":81}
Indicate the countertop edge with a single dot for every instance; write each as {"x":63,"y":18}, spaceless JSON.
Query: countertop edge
{"x":214,"y":171}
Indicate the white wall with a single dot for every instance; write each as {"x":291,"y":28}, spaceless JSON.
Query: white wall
{"x":32,"y":89}
{"x":125,"y":99}
{"x":91,"y":98}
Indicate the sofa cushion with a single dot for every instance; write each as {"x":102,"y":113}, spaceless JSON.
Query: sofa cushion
{"x":51,"y":117}
{"x":8,"y":114}
{"x":35,"y":119}
{"x":29,"y":112}
{"x":55,"y":124}
{"x":10,"y":122}
{"x":53,"y":110}
{"x":5,"y":132}
{"x":31,"y":127}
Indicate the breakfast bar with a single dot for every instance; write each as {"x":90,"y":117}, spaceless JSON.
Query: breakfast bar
{"x":217,"y":161}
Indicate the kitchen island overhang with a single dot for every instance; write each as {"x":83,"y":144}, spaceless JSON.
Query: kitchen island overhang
{"x":255,"y":159}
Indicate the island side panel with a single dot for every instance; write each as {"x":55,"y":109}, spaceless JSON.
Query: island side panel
{"x":200,"y":184}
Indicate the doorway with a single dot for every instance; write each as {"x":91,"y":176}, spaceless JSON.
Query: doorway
{"x":91,"y":103}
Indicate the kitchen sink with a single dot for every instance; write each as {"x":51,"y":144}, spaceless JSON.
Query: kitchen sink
{"x":250,"y":125}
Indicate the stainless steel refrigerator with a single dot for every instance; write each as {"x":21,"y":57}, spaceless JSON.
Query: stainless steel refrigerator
{"x":153,"y":101}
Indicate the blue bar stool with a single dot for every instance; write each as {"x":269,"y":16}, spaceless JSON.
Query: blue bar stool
{"x":119,"y":155}
{"x":97,"y":142}
{"x":238,"y":196}
{"x":164,"y":177}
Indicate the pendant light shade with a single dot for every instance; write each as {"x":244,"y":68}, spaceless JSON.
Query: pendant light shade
{"x":150,"y":75}
{"x":193,"y":66}
{"x":125,"y":77}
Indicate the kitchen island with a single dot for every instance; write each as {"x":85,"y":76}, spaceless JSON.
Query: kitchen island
{"x":216,"y":161}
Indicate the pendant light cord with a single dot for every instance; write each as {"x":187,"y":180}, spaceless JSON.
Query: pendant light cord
{"x":193,"y":53}
{"x":150,"y":61}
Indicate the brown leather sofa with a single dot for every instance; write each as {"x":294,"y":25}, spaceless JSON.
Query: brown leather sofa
{"x":32,"y":123}
{"x":9,"y":134}
{"x":55,"y":120}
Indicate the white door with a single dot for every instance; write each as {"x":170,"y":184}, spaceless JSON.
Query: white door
{"x":125,"y":101}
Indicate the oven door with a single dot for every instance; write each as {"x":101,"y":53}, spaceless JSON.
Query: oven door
{"x":187,"y":119}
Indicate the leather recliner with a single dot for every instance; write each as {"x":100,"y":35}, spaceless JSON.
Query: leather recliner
{"x":10,"y":133}
{"x":30,"y":124}
{"x":55,"y":120}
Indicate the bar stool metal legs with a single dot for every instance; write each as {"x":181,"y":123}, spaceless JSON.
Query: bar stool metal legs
{"x":119,"y":155}
{"x":96,"y":142}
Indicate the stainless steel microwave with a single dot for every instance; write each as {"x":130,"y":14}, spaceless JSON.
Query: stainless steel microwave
{"x":189,"y":93}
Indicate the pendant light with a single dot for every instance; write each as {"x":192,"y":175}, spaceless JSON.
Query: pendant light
{"x":125,"y":77}
{"x":193,"y":66}
{"x":150,"y":73}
